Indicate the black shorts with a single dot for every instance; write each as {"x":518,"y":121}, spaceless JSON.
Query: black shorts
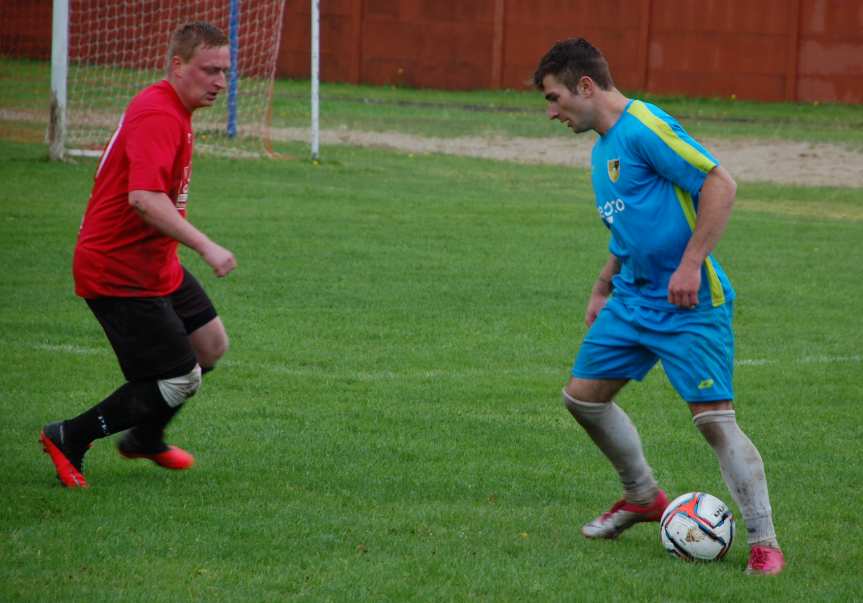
{"x":150,"y":335}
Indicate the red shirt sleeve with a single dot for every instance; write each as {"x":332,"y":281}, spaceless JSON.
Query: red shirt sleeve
{"x":152,"y":143}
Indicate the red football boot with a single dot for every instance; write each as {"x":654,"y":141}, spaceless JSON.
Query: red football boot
{"x":624,"y":515}
{"x":68,"y":462}
{"x":765,"y":561}
{"x":169,"y":457}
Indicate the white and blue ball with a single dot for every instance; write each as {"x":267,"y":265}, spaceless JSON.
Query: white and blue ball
{"x":697,"y":526}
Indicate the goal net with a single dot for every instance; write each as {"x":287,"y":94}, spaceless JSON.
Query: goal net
{"x":117,"y":48}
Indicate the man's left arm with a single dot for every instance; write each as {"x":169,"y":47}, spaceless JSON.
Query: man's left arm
{"x":714,"y":209}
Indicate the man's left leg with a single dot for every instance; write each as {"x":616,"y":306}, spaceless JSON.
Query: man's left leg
{"x":210,"y":343}
{"x":209,"y":340}
{"x":697,"y":351}
{"x":743,"y":471}
{"x":204,"y":327}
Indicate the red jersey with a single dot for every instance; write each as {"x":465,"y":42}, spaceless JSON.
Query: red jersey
{"x":118,"y":254}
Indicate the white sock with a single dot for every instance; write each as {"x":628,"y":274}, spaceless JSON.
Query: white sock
{"x":743,"y":472}
{"x":613,"y":432}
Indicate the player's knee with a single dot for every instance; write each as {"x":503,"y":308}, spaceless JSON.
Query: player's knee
{"x":581,"y":409}
{"x":595,"y":391}
{"x":569,"y":401}
{"x":213,"y":352}
{"x":219,"y":347}
{"x":717,"y":426}
{"x":177,"y":390}
{"x":573,"y":394}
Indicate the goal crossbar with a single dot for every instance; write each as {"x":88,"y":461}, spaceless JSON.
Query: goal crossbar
{"x":103,"y":53}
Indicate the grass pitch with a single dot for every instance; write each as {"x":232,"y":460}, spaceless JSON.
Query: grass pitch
{"x":387,"y":424}
{"x":25,"y":90}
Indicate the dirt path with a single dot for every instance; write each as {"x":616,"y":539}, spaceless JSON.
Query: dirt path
{"x":779,"y":161}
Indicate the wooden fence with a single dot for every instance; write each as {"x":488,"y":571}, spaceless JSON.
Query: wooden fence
{"x":794,"y":50}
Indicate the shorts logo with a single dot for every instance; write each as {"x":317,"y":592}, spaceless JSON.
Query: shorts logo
{"x":706,"y":384}
{"x":613,"y":169}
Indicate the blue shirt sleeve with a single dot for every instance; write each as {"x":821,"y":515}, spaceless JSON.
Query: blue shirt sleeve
{"x":666,"y":147}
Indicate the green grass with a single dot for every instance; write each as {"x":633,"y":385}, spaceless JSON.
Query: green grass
{"x":387,"y":424}
{"x":520,"y":113}
{"x":26,"y":85}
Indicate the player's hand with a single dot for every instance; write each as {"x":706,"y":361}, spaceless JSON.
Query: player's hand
{"x":219,"y":259}
{"x":684,"y":285}
{"x":595,"y":304}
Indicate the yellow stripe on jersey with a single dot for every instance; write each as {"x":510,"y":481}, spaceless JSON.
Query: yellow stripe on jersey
{"x":717,"y":295}
{"x":686,"y":204}
{"x":661,"y":128}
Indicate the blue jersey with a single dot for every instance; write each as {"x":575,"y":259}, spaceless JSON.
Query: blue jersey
{"x":647,"y":174}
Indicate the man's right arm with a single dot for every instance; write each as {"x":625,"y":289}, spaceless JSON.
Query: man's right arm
{"x":601,"y":289}
{"x":157,"y":210}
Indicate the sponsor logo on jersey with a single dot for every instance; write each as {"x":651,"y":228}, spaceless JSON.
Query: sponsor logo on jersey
{"x":613,"y":169}
{"x":607,"y":211}
{"x":183,"y":193}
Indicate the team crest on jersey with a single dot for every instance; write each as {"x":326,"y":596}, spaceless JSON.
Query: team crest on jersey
{"x":613,"y":169}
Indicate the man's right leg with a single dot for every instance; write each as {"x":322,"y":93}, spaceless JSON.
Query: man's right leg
{"x":590,"y":403}
{"x":67,"y":441}
{"x":160,"y":369}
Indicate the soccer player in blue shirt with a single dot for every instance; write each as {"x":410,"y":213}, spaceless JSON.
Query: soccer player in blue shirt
{"x":661,"y":295}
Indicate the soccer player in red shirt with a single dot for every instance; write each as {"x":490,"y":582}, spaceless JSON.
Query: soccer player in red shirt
{"x":157,"y":317}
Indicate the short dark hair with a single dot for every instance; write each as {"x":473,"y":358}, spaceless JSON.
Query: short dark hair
{"x":187,"y":38}
{"x":570,"y":60}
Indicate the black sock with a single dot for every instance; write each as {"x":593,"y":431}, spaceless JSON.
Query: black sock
{"x":130,"y":405}
{"x":151,"y":435}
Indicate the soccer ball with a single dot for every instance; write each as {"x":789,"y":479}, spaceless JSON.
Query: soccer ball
{"x":697,"y":527}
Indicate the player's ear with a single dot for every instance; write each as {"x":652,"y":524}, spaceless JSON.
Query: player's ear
{"x":176,"y":66}
{"x":585,"y":86}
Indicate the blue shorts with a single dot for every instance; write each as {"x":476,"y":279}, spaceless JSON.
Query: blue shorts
{"x":696,"y":348}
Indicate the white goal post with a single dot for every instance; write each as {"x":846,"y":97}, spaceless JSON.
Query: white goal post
{"x":315,"y":79}
{"x":103,"y":53}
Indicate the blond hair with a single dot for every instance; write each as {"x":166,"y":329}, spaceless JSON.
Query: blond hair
{"x":191,"y":36}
